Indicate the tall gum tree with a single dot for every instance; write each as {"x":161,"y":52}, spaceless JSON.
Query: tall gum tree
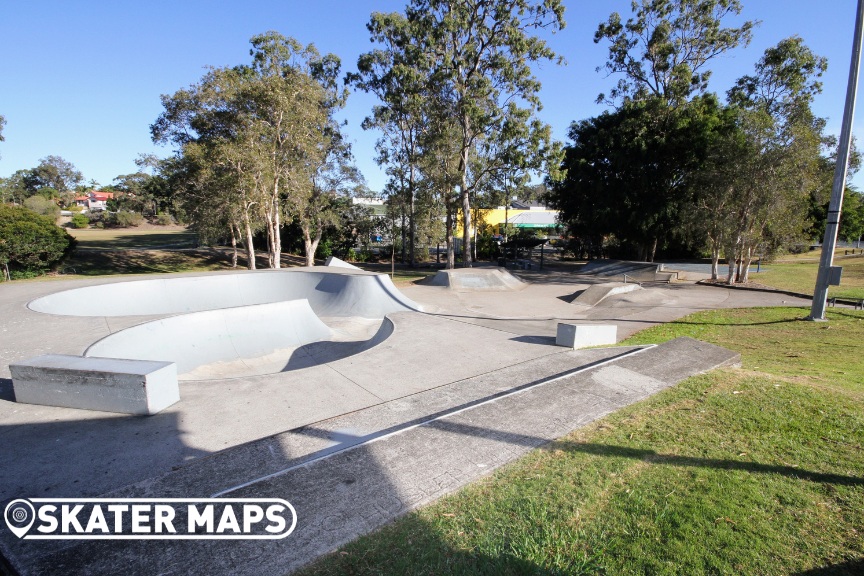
{"x":477,"y":56}
{"x":269,"y":122}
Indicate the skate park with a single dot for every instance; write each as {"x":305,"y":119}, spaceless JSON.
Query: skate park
{"x":367,"y":381}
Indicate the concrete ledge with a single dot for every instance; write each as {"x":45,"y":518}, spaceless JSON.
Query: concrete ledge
{"x":107,"y":384}
{"x":584,"y":335}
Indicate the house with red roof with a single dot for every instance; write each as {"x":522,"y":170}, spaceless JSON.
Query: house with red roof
{"x":94,"y":201}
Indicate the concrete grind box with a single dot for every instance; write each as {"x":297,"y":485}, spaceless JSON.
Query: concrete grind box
{"x":108,"y":384}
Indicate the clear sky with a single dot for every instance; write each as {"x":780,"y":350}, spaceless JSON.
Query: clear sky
{"x":82,"y":79}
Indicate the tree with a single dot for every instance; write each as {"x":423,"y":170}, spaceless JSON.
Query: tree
{"x":30,"y":243}
{"x":42,"y":205}
{"x":2,"y":124}
{"x":265,"y":128}
{"x":476,"y":56}
{"x":778,"y":175}
{"x":664,"y":49}
{"x":629,"y":173}
{"x":55,"y":172}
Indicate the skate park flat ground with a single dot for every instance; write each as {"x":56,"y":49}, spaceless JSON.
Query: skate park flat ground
{"x":227,"y":433}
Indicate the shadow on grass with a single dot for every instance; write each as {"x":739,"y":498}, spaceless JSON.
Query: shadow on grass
{"x":847,"y":568}
{"x":99,"y":263}
{"x":645,"y":455}
{"x":146,"y":241}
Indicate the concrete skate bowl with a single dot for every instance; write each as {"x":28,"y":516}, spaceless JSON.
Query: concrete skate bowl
{"x":240,"y":324}
{"x":480,"y":279}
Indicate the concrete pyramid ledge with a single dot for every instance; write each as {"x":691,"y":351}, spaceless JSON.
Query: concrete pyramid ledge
{"x":476,"y":279}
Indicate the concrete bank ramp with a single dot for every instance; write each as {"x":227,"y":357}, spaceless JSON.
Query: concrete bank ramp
{"x":593,"y":295}
{"x":641,"y":271}
{"x":332,"y":291}
{"x":476,"y":279}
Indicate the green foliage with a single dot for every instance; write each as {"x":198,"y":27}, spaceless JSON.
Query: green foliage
{"x":30,"y":242}
{"x":629,"y":172}
{"x":664,"y":49}
{"x":80,"y":221}
{"x":164,"y":219}
{"x":44,"y":206}
{"x":126,"y":219}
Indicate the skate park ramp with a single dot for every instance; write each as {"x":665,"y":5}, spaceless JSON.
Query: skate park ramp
{"x":330,"y":292}
{"x":640,"y":271}
{"x":595,"y":294}
{"x":476,"y":279}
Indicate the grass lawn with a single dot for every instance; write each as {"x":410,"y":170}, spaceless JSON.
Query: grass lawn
{"x":131,"y":238}
{"x":139,"y":251}
{"x":758,"y":470}
{"x":798,"y":274}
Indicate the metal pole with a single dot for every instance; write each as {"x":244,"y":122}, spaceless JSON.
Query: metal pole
{"x":820,"y":293}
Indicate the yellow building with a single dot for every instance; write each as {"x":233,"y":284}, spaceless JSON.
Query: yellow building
{"x":493,"y":219}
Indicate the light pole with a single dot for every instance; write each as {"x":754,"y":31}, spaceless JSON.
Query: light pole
{"x":825,"y":276}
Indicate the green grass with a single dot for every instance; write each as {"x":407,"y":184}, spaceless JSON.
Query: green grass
{"x":798,"y":274}
{"x":757,"y":470}
{"x":130,"y":238}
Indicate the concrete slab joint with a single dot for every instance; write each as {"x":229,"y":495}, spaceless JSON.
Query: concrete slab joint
{"x":584,"y":335}
{"x":108,"y":384}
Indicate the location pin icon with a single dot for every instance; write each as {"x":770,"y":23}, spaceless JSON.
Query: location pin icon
{"x":19,"y":517}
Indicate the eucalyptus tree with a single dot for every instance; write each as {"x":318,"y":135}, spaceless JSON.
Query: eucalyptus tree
{"x":476,"y":58}
{"x":270,"y":124}
{"x":786,"y":139}
{"x":664,"y":49}
{"x":391,"y":73}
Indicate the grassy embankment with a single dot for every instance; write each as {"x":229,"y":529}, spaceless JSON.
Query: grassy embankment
{"x":797,"y":273}
{"x":757,"y":470}
{"x":134,"y":251}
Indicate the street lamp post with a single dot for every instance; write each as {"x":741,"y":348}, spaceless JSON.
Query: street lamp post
{"x":824,"y":278}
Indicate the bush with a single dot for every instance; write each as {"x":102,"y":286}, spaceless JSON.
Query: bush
{"x":43,"y":206}
{"x":80,"y":221}
{"x":30,"y":243}
{"x":164,"y":219}
{"x":126,"y":219}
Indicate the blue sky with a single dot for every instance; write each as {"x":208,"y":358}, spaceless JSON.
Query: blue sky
{"x":82,"y":79}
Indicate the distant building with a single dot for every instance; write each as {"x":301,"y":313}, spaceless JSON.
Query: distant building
{"x":94,"y":201}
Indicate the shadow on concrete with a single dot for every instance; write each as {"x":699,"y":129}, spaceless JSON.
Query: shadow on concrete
{"x":89,"y":455}
{"x":848,"y":568}
{"x":542,"y":340}
{"x":649,"y":456}
{"x":6,"y":391}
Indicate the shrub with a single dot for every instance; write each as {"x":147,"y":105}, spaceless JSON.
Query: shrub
{"x":164,"y":219}
{"x":126,"y":219}
{"x":30,"y":243}
{"x":80,"y":221}
{"x":41,"y":205}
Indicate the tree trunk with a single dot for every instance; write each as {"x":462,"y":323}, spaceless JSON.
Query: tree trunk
{"x":715,"y":261}
{"x":310,"y":244}
{"x":250,"y":247}
{"x":233,"y":246}
{"x":466,"y":224}
{"x":747,"y":260}
{"x":411,"y":224}
{"x":451,"y":249}
{"x":277,"y":235}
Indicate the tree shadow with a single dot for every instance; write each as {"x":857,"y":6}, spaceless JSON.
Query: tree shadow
{"x":853,"y":567}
